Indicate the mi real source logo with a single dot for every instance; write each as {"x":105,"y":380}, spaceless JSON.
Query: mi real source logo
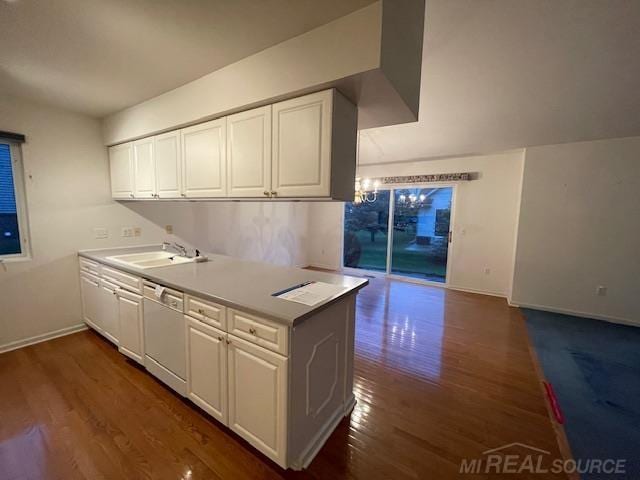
{"x":521,"y":458}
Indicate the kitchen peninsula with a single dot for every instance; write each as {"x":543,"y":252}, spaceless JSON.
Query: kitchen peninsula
{"x":277,"y":372}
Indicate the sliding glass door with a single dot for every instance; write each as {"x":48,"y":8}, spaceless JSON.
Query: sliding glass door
{"x":366,"y":227}
{"x":405,"y":232}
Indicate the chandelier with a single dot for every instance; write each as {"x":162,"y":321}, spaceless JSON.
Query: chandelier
{"x":363,"y":192}
{"x":412,"y":200}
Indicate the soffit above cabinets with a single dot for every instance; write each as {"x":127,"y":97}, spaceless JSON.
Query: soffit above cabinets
{"x":373,"y":56}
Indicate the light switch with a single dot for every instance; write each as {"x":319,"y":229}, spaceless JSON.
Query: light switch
{"x":137,"y":231}
{"x":168,"y":228}
{"x":127,"y":232}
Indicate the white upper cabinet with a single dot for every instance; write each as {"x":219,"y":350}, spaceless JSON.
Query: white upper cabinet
{"x":302,"y":146}
{"x":168,"y":165}
{"x":144,"y":169}
{"x":299,"y":148}
{"x":204,"y":163}
{"x":314,"y":147}
{"x":121,"y":163}
{"x":249,"y":153}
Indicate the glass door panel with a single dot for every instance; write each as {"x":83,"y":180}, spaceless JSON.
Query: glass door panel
{"x":421,"y":222}
{"x":366,"y":228}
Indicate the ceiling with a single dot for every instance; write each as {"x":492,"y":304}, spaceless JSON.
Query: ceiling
{"x":504,"y":74}
{"x":100,"y":56}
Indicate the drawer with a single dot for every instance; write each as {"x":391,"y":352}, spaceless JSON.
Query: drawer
{"x":89,"y":266}
{"x":122,"y":279}
{"x":208,"y":312}
{"x":171,"y":298}
{"x":266,"y":333}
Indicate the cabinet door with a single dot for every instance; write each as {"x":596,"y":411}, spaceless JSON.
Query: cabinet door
{"x":302,"y":146}
{"x":249,"y":153}
{"x":121,"y":166}
{"x":204,"y":155}
{"x":89,"y":292}
{"x":130,"y":334}
{"x":107,"y":318}
{"x":258,"y":397}
{"x":168,"y":158}
{"x":207,"y":368}
{"x":144,"y":169}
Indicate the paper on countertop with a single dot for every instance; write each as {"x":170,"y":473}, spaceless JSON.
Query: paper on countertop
{"x":313,"y":293}
{"x":159,"y":291}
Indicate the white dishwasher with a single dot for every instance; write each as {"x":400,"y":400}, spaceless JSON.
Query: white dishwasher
{"x":164,"y":336}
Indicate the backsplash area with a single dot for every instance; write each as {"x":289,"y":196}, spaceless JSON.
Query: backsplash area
{"x":273,"y":232}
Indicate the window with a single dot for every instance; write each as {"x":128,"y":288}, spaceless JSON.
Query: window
{"x":13,"y":223}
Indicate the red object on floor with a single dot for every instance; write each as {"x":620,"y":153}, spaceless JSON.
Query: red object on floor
{"x":553,"y":401}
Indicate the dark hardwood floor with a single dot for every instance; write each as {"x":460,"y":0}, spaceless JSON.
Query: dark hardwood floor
{"x":440,"y":376}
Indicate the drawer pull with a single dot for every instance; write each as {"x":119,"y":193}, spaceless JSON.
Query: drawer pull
{"x":201,"y":312}
{"x":173,"y":304}
{"x":253,"y":331}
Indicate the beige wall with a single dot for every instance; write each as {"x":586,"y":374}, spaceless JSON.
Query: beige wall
{"x":67,"y":188}
{"x":272,"y":232}
{"x":485,"y":222}
{"x":579,"y":228}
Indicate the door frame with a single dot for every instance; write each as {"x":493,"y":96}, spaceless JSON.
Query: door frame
{"x":387,"y":273}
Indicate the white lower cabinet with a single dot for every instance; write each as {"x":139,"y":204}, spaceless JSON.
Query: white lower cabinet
{"x":207,"y":368}
{"x":90,"y":294}
{"x":130,"y":334}
{"x":258,"y":397}
{"x":107,"y":318}
{"x":283,"y":388}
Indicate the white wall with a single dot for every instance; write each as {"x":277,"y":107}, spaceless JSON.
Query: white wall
{"x":67,"y":188}
{"x":485,"y":225}
{"x":579,"y":228}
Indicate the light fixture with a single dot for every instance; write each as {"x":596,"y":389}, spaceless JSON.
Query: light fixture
{"x":362,"y":187}
{"x":363,"y":194}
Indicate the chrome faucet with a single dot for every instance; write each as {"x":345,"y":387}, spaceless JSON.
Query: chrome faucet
{"x":176,"y":246}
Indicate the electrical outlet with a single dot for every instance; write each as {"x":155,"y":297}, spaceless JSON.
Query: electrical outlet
{"x":137,"y":231}
{"x":168,"y":228}
{"x":127,"y":232}
{"x":601,"y":291}
{"x":100,"y":233}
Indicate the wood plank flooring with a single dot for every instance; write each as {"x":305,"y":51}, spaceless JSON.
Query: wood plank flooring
{"x":439,"y":376}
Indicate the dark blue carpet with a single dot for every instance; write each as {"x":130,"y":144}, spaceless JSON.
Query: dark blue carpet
{"x":594,"y":367}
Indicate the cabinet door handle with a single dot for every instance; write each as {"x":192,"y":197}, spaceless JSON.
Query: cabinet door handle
{"x":131,"y":195}
{"x":267,"y":194}
{"x":252,"y":331}
{"x":220,"y":338}
{"x":274,"y":193}
{"x":228,"y":341}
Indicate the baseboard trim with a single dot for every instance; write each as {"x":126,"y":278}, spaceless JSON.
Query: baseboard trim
{"x":42,"y":338}
{"x":309,"y":453}
{"x":575,"y":313}
{"x":473,"y":290}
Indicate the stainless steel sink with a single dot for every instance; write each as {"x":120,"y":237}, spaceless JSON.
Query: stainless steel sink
{"x":151,"y":259}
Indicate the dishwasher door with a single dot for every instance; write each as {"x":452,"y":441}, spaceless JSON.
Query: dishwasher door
{"x":164,"y":338}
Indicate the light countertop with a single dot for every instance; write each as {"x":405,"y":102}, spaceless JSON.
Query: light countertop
{"x":235,"y":283}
